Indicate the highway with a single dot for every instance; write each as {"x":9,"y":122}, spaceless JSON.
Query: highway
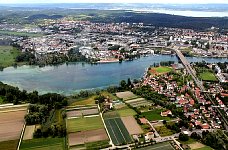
{"x":192,"y":72}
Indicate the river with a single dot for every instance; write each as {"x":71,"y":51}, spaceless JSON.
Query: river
{"x":71,"y":78}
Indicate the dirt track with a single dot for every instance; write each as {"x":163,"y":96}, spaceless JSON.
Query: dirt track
{"x":11,"y":125}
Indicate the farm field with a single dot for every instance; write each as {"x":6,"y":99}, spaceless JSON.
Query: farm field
{"x":86,"y":101}
{"x":97,"y":145}
{"x":9,"y":145}
{"x":83,"y":137}
{"x":154,"y":115}
{"x":84,"y":124}
{"x":5,"y":32}
{"x":8,"y":55}
{"x":138,"y":102}
{"x":117,"y":131}
{"x":159,"y":146}
{"x":160,"y":70}
{"x":208,"y":76}
{"x":126,"y":112}
{"x":126,"y":95}
{"x":131,"y":125}
{"x":11,"y":125}
{"x":44,"y":144}
{"x":82,"y":112}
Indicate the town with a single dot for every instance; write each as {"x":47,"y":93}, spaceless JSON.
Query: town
{"x":173,"y":105}
{"x":59,"y":41}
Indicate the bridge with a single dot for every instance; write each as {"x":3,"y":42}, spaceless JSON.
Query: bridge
{"x":192,"y":72}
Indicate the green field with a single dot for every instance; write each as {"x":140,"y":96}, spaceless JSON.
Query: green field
{"x":84,"y":101}
{"x":8,"y":55}
{"x":84,"y":124}
{"x":117,"y":131}
{"x":44,"y":144}
{"x":112,"y":114}
{"x":208,"y":76}
{"x":126,"y":112}
{"x":159,"y":146}
{"x":163,"y":131}
{"x":9,"y":145}
{"x":154,"y":115}
{"x":205,"y":148}
{"x":97,"y":145}
{"x":163,"y":69}
{"x":190,"y":141}
{"x":4,"y":32}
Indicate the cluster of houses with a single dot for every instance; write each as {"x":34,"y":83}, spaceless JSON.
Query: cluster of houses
{"x":200,"y":111}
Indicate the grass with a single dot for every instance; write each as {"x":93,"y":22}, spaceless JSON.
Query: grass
{"x":8,"y":55}
{"x":208,"y":76}
{"x":163,"y":131}
{"x":9,"y":145}
{"x":84,"y":124}
{"x":160,"y":70}
{"x":159,"y":146}
{"x":97,"y":145}
{"x":205,"y":148}
{"x":87,"y":101}
{"x":154,"y":115}
{"x":1,"y":100}
{"x":5,"y":32}
{"x":126,"y":112}
{"x":44,"y":144}
{"x":110,"y":95}
{"x":190,"y":141}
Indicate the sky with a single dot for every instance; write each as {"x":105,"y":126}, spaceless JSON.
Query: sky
{"x":117,"y":1}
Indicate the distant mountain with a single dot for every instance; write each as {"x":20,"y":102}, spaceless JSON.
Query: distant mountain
{"x":127,"y":6}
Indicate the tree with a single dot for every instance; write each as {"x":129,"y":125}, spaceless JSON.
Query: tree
{"x":123,"y":84}
{"x":194,"y":135}
{"x":129,"y":82}
{"x":183,"y":137}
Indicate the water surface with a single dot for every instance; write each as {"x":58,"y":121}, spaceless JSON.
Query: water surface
{"x":71,"y":78}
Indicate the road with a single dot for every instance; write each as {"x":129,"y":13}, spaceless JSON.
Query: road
{"x":198,"y":83}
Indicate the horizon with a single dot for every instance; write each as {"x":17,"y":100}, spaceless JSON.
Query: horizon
{"x":175,"y":2}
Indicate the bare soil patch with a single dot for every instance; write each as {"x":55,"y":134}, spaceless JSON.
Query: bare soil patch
{"x":87,"y":136}
{"x":83,"y":112}
{"x":196,"y":145}
{"x":74,"y":113}
{"x":125,"y":95}
{"x":131,"y":125}
{"x":29,"y":130}
{"x":11,"y":125}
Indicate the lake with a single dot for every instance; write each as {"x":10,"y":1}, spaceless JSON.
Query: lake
{"x":71,"y":78}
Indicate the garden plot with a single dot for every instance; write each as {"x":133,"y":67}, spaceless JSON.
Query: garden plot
{"x":83,"y":137}
{"x":126,"y":95}
{"x":11,"y":125}
{"x":131,"y":125}
{"x":117,"y":131}
{"x":77,"y":113}
{"x":138,"y":102}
